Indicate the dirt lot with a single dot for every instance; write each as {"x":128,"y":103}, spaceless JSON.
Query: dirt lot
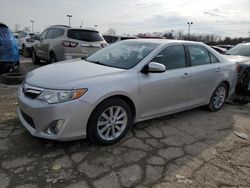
{"x":195,"y":148}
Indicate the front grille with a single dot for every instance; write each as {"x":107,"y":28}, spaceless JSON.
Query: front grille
{"x":31,"y":92}
{"x":28,"y":119}
{"x":31,"y":95}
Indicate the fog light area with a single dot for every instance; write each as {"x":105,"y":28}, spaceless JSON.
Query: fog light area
{"x":55,"y":127}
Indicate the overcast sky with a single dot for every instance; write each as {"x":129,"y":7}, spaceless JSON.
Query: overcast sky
{"x":223,"y":17}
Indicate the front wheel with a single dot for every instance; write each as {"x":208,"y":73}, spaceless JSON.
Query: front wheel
{"x":109,"y":122}
{"x":218,"y":98}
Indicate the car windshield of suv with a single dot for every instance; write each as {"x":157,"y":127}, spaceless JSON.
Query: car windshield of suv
{"x":240,"y":49}
{"x":124,"y":55}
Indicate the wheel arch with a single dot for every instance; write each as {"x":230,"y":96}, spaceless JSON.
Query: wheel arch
{"x":228,"y":86}
{"x":125,"y":98}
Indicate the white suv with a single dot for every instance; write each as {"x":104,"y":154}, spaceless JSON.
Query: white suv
{"x":25,"y":42}
{"x":59,"y":42}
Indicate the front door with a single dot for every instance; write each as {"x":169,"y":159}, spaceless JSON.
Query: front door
{"x":166,"y":92}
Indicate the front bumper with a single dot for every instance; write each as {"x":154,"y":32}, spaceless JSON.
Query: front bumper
{"x":37,"y":116}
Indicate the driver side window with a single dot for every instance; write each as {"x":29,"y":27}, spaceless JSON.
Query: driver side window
{"x":172,"y":57}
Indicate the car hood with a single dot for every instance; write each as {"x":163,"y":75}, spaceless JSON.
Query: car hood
{"x":238,"y":59}
{"x":68,"y":74}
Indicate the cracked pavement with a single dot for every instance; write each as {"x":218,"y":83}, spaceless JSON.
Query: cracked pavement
{"x":195,"y":148}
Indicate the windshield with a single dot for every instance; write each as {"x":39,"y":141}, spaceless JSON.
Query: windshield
{"x":240,"y":49}
{"x":124,"y":55}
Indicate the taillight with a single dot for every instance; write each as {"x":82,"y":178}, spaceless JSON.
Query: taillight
{"x":69,"y":44}
{"x":103,"y":45}
{"x":30,"y":40}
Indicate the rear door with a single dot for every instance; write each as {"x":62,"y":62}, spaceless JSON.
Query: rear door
{"x":168,"y":91}
{"x":206,"y":72}
{"x":88,"y":41}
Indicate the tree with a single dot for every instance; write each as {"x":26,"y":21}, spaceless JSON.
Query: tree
{"x":16,"y":28}
{"x":111,"y":31}
{"x":26,"y":28}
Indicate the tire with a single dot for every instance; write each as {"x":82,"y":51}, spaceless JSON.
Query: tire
{"x":12,"y":78}
{"x":218,"y":98}
{"x":52,"y":57}
{"x":107,"y":132}
{"x":25,"y":52}
{"x":35,"y":59}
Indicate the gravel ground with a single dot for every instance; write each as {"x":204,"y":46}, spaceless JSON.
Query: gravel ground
{"x":195,"y":148}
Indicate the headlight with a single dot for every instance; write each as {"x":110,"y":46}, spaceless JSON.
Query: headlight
{"x":57,"y":96}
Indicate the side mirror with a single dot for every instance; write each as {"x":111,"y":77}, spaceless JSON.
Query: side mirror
{"x":154,"y":67}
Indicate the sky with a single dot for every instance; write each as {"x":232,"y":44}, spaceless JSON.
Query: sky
{"x":220,"y":17}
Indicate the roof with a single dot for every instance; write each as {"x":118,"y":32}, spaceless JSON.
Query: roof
{"x":3,"y":25}
{"x":119,"y":36}
{"x":166,"y":41}
{"x":67,"y":27}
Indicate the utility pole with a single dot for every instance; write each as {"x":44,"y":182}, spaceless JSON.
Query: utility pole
{"x":189,"y":25}
{"x":32,"y":23}
{"x":69,"y":16}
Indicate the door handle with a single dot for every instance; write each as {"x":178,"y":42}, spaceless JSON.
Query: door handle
{"x":185,"y":75}
{"x":218,"y":69}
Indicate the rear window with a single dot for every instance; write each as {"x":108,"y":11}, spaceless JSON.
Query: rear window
{"x":84,"y":35}
{"x":126,"y":38}
{"x":110,"y":39}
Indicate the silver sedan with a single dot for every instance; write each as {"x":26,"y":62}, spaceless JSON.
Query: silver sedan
{"x":101,"y":96}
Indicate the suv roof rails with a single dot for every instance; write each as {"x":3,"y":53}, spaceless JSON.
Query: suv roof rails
{"x":61,"y":26}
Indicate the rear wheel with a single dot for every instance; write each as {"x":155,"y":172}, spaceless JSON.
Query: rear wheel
{"x":52,"y":57}
{"x":109,"y":122}
{"x":218,"y":98}
{"x":35,"y":59}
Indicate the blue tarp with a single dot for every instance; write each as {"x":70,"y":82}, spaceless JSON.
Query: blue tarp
{"x":8,"y":46}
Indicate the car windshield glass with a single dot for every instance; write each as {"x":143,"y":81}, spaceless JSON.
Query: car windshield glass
{"x":240,"y":49}
{"x":124,"y":55}
{"x":84,"y":35}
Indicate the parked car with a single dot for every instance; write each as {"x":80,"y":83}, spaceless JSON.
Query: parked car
{"x":16,"y":35}
{"x":25,"y":42}
{"x":240,"y":54}
{"x":226,"y":46}
{"x":60,"y":42}
{"x":9,"y":56}
{"x":101,"y":96}
{"x":219,"y":49}
{"x":116,"y":38}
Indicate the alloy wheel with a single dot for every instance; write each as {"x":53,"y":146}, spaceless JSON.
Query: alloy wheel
{"x":219,"y":97}
{"x":112,"y":123}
